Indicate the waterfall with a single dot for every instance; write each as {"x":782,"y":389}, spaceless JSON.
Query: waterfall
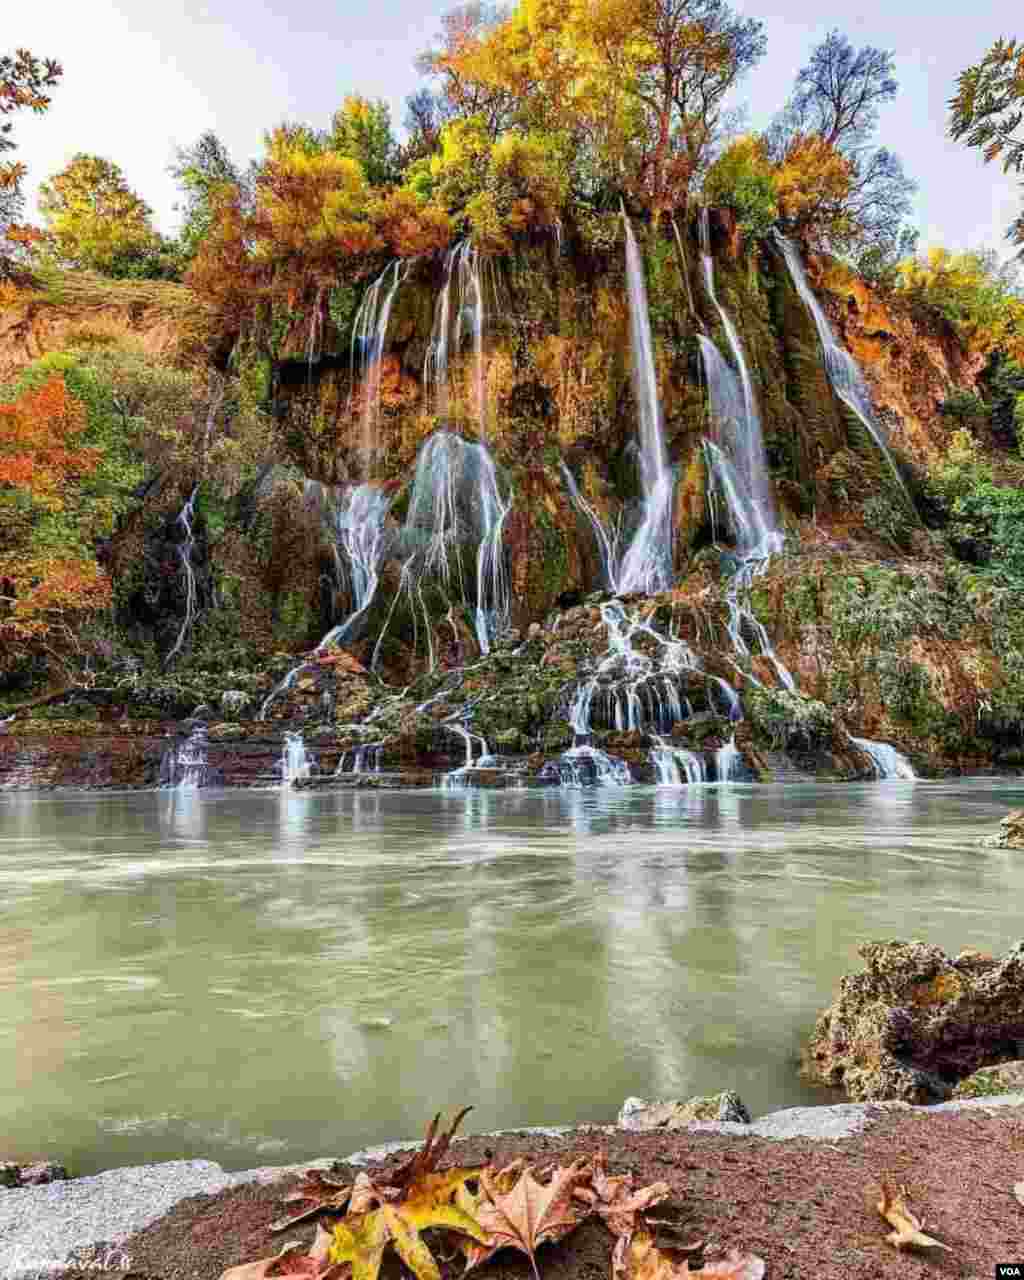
{"x":676,"y":766}
{"x":369,"y":332}
{"x":463,"y":277}
{"x":362,"y":759}
{"x":185,"y":549}
{"x":647,"y":563}
{"x":887,"y":761}
{"x":737,"y":419}
{"x":841,"y":368}
{"x":585,"y":765}
{"x":296,"y":764}
{"x":457,"y":777}
{"x":457,"y":502}
{"x":608,"y":540}
{"x":356,"y":524}
{"x":727,"y":761}
{"x":184,"y":765}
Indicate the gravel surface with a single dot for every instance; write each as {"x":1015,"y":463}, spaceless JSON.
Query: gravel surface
{"x":43,"y":1229}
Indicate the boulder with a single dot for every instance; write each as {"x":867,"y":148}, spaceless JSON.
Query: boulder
{"x":638,"y":1114}
{"x":991,"y":1081}
{"x":915,"y":1022}
{"x":1010,"y":834}
{"x":31,"y":1175}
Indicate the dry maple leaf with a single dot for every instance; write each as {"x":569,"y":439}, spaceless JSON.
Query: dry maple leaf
{"x":530,"y":1212}
{"x":361,"y":1238}
{"x":616,"y":1200}
{"x":426,"y":1159}
{"x":893,"y":1208}
{"x":287,"y":1264}
{"x":324,"y":1194}
{"x":645,"y":1261}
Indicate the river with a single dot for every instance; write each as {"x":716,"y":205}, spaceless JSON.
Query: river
{"x":260,"y":977}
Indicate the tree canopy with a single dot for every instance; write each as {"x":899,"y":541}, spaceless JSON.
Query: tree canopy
{"x":24,"y":79}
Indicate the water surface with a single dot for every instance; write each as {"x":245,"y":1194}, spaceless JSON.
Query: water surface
{"x":264,"y":977}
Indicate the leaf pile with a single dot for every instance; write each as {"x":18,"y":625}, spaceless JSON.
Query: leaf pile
{"x":474,"y":1212}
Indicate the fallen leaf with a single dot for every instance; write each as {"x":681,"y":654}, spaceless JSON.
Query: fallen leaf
{"x":426,"y":1159}
{"x":1018,"y":1191}
{"x":908,"y":1229}
{"x":361,"y":1238}
{"x":301,"y":1265}
{"x":645,"y":1261}
{"x":322,"y":1192}
{"x":531,"y":1212}
{"x":616,"y":1200}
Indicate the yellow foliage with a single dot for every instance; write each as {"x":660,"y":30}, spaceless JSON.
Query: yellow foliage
{"x":968,"y":290}
{"x":812,"y":186}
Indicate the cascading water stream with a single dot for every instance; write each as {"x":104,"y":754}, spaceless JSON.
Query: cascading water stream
{"x":185,"y":548}
{"x":887,"y":761}
{"x":842,"y":370}
{"x":184,"y":766}
{"x":296,"y":763}
{"x":647,"y":563}
{"x":369,"y":334}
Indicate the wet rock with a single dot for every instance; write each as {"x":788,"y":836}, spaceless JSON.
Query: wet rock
{"x":915,"y":1022}
{"x":233,"y":702}
{"x":991,"y":1081}
{"x":31,"y":1175}
{"x":638,"y":1114}
{"x":1010,"y":834}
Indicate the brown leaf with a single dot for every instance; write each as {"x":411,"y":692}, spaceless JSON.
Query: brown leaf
{"x":616,"y":1200}
{"x":300,"y":1265}
{"x":531,"y":1212}
{"x":645,"y":1261}
{"x":426,"y":1159}
{"x":322,"y":1194}
{"x":908,"y":1229}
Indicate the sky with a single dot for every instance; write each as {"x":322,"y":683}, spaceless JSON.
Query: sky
{"x":142,"y":78}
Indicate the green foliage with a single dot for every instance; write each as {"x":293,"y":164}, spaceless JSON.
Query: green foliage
{"x":200,"y":171}
{"x":741,"y":179}
{"x":974,"y":292}
{"x":985,"y":519}
{"x":361,"y":130}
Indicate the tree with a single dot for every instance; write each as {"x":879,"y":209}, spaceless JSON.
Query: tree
{"x":450,"y":61}
{"x":41,"y":460}
{"x":96,"y":221}
{"x":361,"y":129}
{"x":832,"y":113}
{"x":742,"y":179}
{"x":23,"y":81}
{"x":988,"y":112}
{"x":200,"y":171}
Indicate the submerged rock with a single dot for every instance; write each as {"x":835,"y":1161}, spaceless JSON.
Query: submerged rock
{"x":990,"y":1082}
{"x":915,"y":1023}
{"x":638,"y":1114}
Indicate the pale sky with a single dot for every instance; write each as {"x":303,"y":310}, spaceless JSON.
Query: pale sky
{"x":142,"y":76}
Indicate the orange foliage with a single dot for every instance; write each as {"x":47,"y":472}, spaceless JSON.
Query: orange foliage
{"x":812,"y":184}
{"x":37,"y":450}
{"x":410,"y":227}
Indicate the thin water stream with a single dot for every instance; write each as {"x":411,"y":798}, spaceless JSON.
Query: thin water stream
{"x":264,"y":977}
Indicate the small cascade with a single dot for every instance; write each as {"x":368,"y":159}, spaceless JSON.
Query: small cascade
{"x":456,"y":504}
{"x":185,"y":548}
{"x":362,"y":759}
{"x":887,"y":761}
{"x":737,"y":420}
{"x":356,"y":524}
{"x":184,"y":765}
{"x":585,"y":765}
{"x":647,"y":563}
{"x":296,"y":763}
{"x":458,"y":312}
{"x":727,"y":761}
{"x":369,"y":333}
{"x":843,"y":372}
{"x":457,"y":777}
{"x":608,"y":539}
{"x":676,"y":767}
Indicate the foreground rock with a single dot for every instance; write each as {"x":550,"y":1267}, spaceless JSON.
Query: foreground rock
{"x":915,"y":1022}
{"x":1011,"y":832}
{"x":31,"y":1175}
{"x":637,"y":1114}
{"x":993,"y":1082}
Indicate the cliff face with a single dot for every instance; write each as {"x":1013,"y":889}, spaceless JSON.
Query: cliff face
{"x":162,"y":319}
{"x":863,"y":606}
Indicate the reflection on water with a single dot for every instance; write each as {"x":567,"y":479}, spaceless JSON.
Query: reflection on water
{"x":275,"y":975}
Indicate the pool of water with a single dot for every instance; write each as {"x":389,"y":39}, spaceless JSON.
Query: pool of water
{"x":262,"y":977}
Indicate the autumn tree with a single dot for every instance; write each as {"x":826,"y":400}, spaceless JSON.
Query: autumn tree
{"x":45,"y":586}
{"x":94,"y":220}
{"x":201,"y":171}
{"x":453,"y":62}
{"x":24,"y":80}
{"x":361,"y":130}
{"x":988,"y":112}
{"x":864,"y":193}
